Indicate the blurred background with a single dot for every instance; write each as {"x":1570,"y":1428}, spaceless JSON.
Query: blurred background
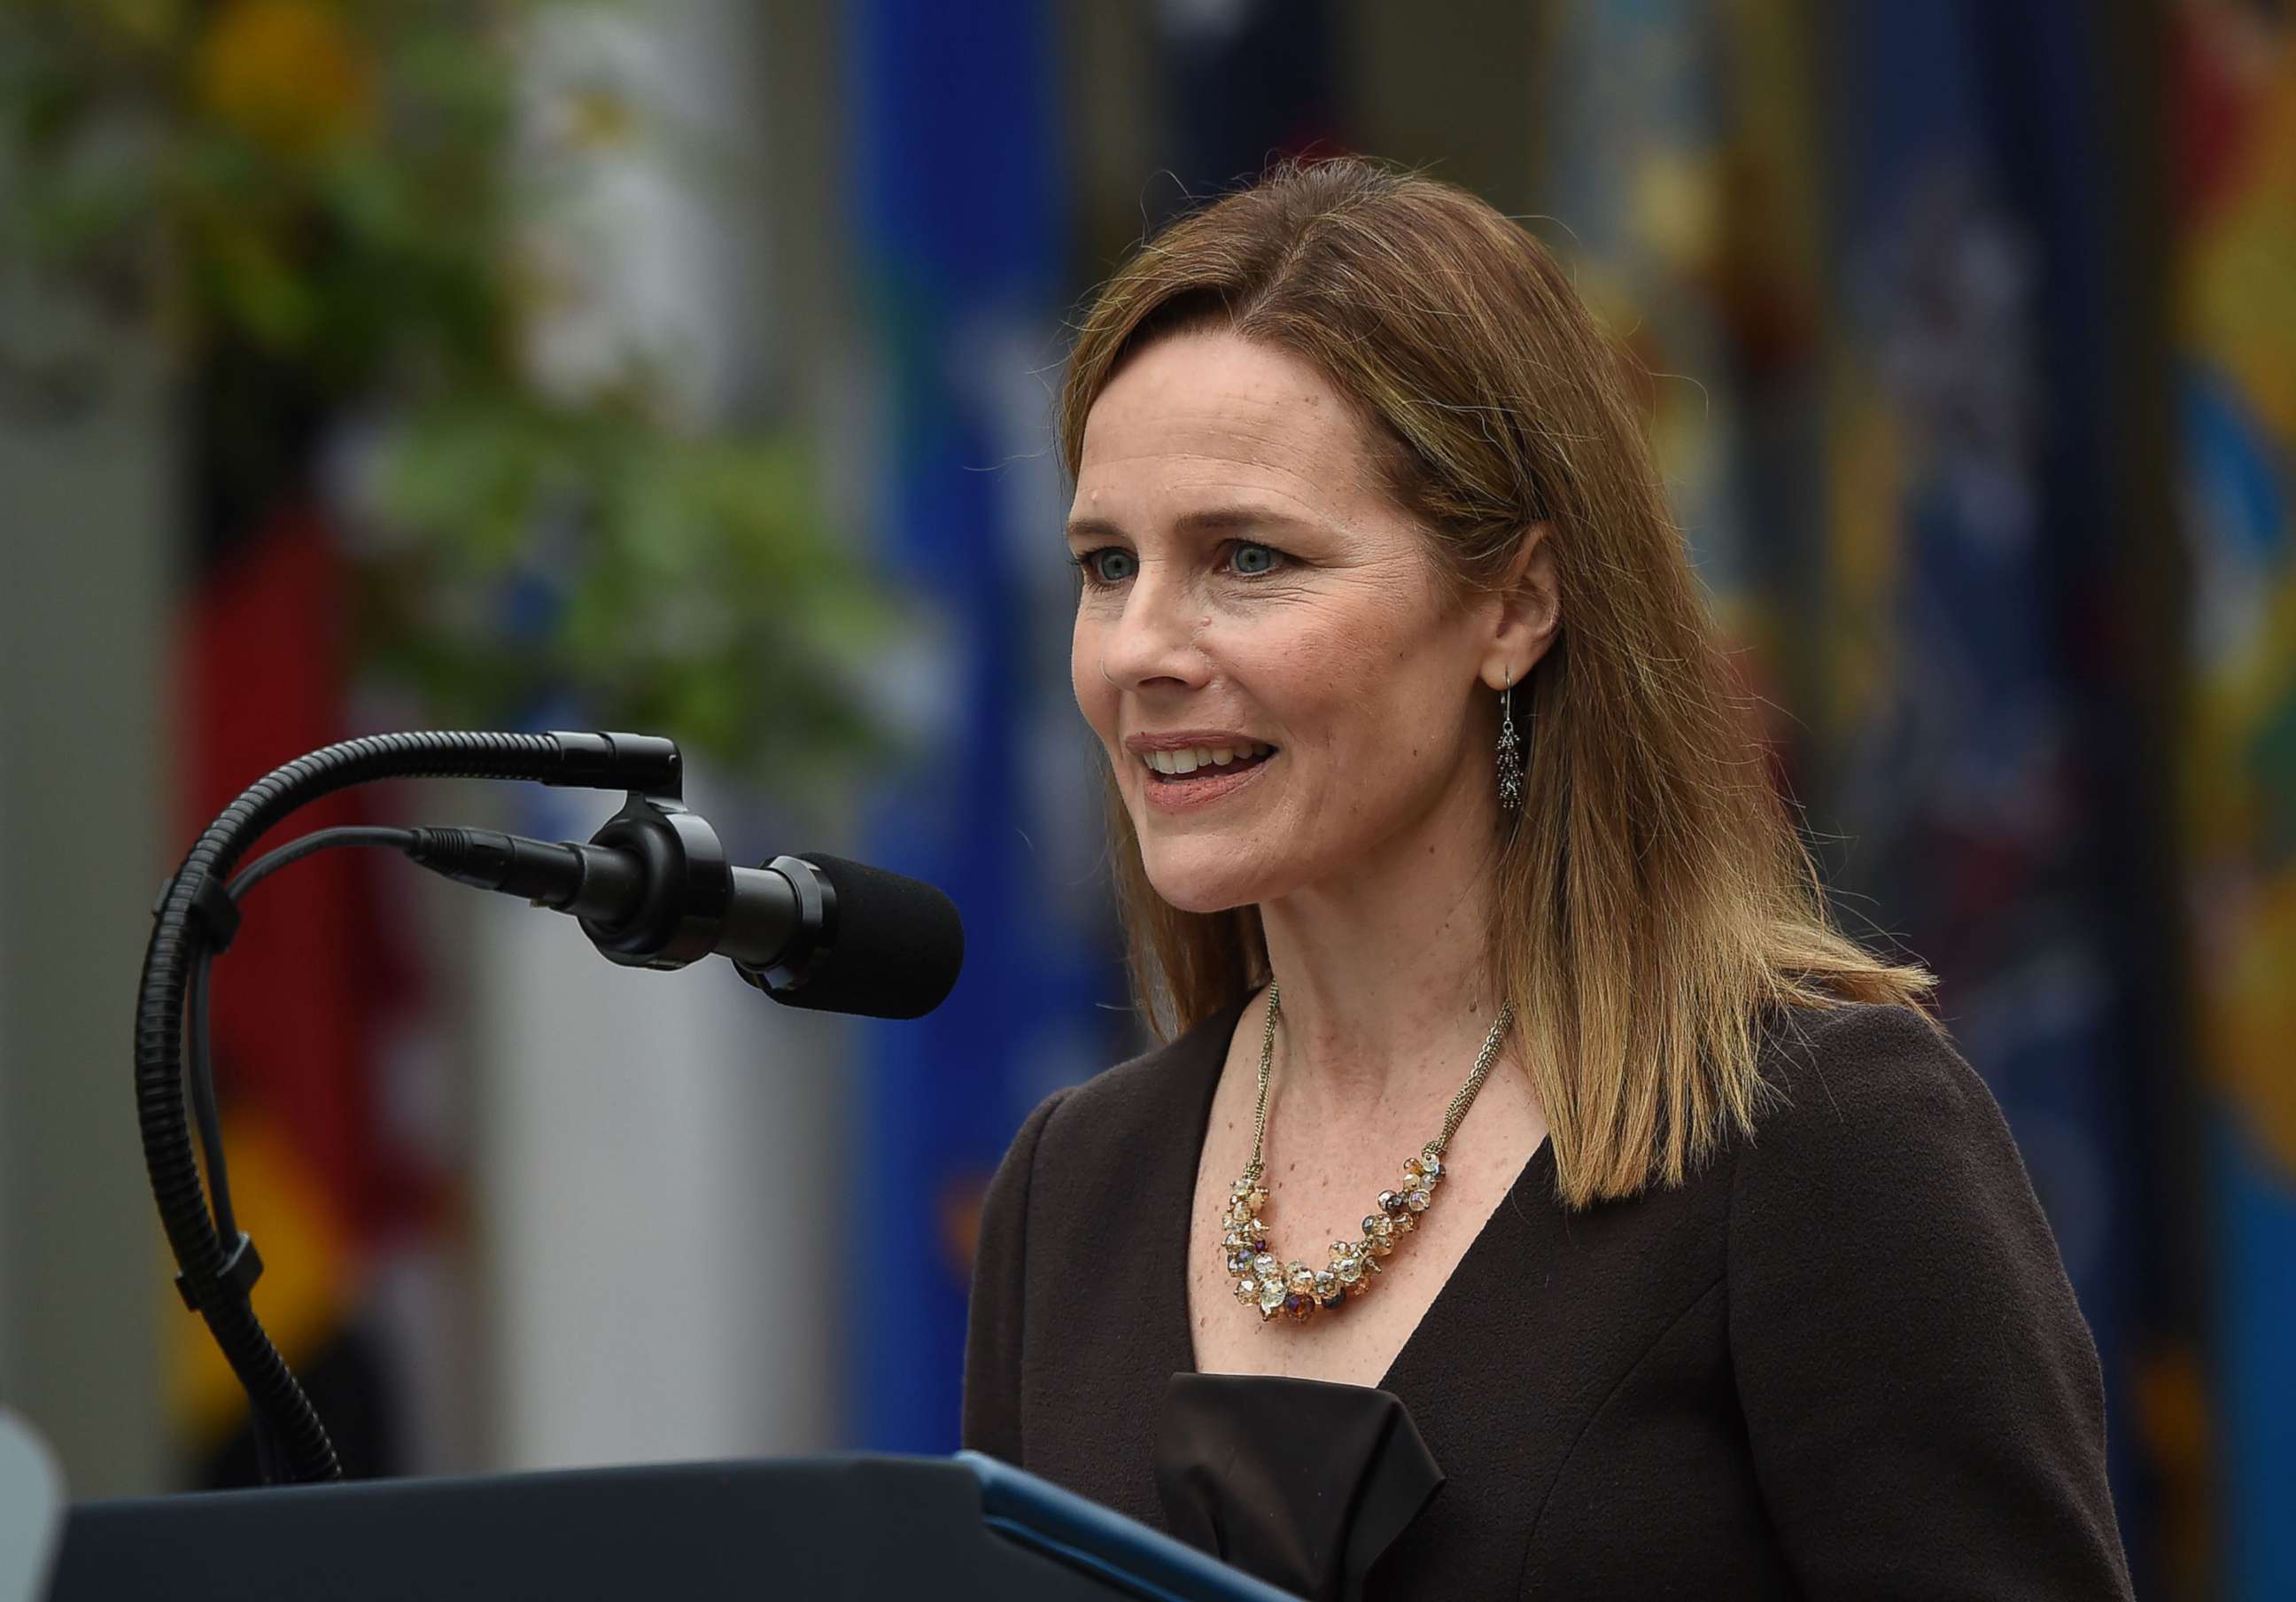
{"x":685,"y":366}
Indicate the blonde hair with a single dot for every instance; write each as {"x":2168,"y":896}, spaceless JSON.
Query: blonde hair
{"x":1652,"y":901}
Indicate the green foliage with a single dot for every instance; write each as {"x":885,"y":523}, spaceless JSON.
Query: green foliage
{"x":338,"y":195}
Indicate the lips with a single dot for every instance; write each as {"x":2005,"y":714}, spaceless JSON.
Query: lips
{"x":1170,"y":788}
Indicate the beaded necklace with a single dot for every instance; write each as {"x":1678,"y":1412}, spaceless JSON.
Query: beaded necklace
{"x":1292,"y":1288}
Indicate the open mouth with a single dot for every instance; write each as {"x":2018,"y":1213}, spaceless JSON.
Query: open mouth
{"x":1203,"y":762}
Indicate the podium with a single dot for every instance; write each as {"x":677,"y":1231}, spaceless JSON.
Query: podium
{"x":850,"y":1526}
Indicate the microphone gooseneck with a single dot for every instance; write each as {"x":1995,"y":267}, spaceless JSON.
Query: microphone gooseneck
{"x":195,"y":916}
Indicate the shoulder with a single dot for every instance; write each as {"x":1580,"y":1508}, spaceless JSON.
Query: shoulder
{"x":1859,"y":1080}
{"x":1908,"y":1353}
{"x":1881,"y":1143}
{"x":1137,"y":1095}
{"x":1108,"y":1127}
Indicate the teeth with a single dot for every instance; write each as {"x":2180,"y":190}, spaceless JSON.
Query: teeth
{"x":1177,"y":762}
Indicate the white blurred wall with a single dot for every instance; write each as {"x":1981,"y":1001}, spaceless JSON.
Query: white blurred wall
{"x":658,"y":1153}
{"x":86,"y":499}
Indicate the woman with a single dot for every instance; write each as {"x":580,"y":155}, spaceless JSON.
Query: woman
{"x":1487,"y":953}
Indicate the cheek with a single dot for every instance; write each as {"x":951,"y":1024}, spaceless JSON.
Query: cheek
{"x":1095,"y":697}
{"x":1341,"y":677}
{"x":1370,"y":709}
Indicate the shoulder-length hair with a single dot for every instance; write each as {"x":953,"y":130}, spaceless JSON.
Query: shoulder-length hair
{"x":1653,"y":904}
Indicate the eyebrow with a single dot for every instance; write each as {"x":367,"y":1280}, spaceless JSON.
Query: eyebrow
{"x":1210,"y":520}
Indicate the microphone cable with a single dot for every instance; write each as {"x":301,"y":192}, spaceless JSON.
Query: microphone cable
{"x":207,"y":1120}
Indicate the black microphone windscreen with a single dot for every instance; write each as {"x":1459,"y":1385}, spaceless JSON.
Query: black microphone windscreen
{"x":897,"y":951}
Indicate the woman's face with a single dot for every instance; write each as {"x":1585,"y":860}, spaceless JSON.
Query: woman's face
{"x":1248,"y":587}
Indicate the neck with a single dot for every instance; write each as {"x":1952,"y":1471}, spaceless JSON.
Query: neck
{"x":1385,"y":974}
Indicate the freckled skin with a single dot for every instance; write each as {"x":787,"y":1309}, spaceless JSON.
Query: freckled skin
{"x":1342,"y":643}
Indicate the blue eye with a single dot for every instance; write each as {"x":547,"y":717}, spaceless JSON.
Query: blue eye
{"x":1110,"y":564}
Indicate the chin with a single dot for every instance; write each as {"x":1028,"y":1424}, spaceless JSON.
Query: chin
{"x":1192,"y":901}
{"x":1202,"y":876}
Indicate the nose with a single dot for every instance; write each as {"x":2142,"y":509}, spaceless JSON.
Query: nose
{"x":1154,"y":639}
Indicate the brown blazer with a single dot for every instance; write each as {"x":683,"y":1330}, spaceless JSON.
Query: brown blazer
{"x":1843,"y":1360}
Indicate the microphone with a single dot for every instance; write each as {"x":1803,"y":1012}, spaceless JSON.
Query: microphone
{"x":653,"y":888}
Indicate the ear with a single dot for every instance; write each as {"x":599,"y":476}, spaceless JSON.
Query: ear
{"x":1529,"y":610}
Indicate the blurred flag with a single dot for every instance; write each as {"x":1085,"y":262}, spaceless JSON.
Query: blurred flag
{"x":308,"y":999}
{"x":2235,"y":114}
{"x":1973,"y":737}
{"x":1691,"y":232}
{"x":1241,"y":84}
{"x":956,"y":143}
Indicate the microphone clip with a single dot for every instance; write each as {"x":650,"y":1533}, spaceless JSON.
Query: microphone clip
{"x":688,"y":880}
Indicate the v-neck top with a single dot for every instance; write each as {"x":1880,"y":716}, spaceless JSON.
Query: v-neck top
{"x":1842,"y":1359}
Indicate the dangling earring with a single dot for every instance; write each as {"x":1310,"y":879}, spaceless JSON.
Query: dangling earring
{"x":1510,"y":753}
